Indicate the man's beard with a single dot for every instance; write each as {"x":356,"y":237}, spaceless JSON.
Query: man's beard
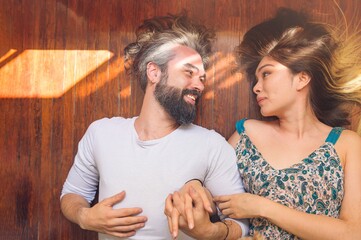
{"x":172,"y":100}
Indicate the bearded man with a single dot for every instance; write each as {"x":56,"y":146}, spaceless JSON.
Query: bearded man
{"x":136,"y":162}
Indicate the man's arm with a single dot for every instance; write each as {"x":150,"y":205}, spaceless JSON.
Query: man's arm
{"x":72,"y":205}
{"x":222,"y":177}
{"x":79,"y":191}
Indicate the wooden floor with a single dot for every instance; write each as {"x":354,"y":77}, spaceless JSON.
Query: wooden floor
{"x":61,"y":67}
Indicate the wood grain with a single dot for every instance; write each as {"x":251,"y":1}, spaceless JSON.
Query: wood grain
{"x":61,"y":67}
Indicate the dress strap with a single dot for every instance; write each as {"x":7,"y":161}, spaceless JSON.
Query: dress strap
{"x":240,"y":125}
{"x":334,"y":135}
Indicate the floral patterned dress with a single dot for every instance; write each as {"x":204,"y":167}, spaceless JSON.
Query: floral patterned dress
{"x":315,"y":185}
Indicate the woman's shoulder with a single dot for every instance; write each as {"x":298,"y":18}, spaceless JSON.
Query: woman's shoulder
{"x":249,"y":127}
{"x":258,"y":125}
{"x":348,"y":145}
{"x":349,"y":137}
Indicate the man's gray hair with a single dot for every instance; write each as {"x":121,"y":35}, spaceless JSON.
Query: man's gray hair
{"x":157,"y":37}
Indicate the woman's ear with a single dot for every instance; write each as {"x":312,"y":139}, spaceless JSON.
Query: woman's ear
{"x":303,"y":79}
{"x":153,"y":72}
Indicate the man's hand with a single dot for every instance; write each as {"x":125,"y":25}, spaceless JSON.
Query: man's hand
{"x":103,"y":218}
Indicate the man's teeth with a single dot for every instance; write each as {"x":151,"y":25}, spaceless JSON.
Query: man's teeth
{"x":192,"y":97}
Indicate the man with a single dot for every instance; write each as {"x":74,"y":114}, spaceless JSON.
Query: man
{"x":137,"y":162}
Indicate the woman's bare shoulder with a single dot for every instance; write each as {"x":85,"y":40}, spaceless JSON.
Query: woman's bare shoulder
{"x":250,"y":126}
{"x":348,"y":146}
{"x":349,"y":138}
{"x":257,"y":125}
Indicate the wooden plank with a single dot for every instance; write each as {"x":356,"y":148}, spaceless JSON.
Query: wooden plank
{"x":56,"y":42}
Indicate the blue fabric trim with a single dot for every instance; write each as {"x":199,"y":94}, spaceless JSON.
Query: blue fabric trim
{"x":240,"y":125}
{"x":334,"y":135}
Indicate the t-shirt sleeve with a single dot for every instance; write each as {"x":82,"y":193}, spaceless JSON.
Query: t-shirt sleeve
{"x":83,"y":176}
{"x":223,"y":177}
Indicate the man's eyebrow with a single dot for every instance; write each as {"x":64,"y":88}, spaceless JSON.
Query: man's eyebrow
{"x":189,"y":65}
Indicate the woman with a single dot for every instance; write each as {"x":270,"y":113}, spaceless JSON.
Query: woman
{"x":301,"y":168}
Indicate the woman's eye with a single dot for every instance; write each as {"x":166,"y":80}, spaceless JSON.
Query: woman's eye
{"x":265,"y":74}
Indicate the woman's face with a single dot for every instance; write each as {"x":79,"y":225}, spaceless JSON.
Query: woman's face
{"x":275,"y":88}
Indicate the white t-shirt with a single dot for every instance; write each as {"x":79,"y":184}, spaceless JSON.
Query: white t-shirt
{"x":111,"y":156}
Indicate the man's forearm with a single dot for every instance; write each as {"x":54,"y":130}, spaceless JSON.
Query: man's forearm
{"x":224,"y":230}
{"x":72,"y":206}
{"x":234,"y":230}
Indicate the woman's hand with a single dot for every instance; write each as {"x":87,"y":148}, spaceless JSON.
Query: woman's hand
{"x":243,"y":205}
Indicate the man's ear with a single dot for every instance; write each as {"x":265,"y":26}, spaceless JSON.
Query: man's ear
{"x":303,"y":80}
{"x":153,"y":72}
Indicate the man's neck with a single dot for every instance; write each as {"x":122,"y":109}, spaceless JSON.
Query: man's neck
{"x":153,"y":121}
{"x":153,"y":128}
